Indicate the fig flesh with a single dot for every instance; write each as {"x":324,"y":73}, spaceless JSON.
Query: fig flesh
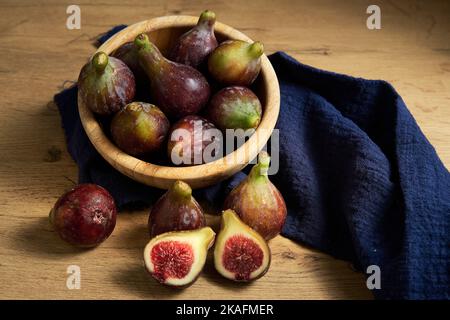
{"x":84,"y":216}
{"x":234,"y":108}
{"x":177,"y":258}
{"x":240,"y":253}
{"x":139,"y":129}
{"x":178,"y":89}
{"x":106,"y":84}
{"x":236,"y":62}
{"x":176,"y":210}
{"x":258,"y":202}
{"x":194,"y":140}
{"x":194,"y":46}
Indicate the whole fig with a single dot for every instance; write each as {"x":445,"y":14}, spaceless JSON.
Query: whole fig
{"x":176,"y":210}
{"x":140,"y":128}
{"x":194,"y":46}
{"x":258,"y":202}
{"x":179,"y":90}
{"x":236,"y":62}
{"x":85,"y":216}
{"x":194,"y":140}
{"x":234,"y":108}
{"x":106,"y":84}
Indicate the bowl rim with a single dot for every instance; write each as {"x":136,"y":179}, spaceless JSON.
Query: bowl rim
{"x":197,"y":175}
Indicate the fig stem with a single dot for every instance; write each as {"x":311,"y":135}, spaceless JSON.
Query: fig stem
{"x":262,"y":167}
{"x":150,"y":57}
{"x":207,"y":17}
{"x":100,"y":61}
{"x":181,"y":189}
{"x":256,"y":49}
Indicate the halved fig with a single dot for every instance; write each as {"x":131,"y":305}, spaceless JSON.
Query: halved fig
{"x":177,"y":258}
{"x":240,"y":253}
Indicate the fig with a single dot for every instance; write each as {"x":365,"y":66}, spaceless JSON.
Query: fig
{"x":176,"y":258}
{"x":178,"y":89}
{"x":236,"y":62}
{"x":128,"y":54}
{"x":176,"y":210}
{"x":140,"y":128}
{"x":234,"y":108}
{"x":106,"y":84}
{"x":194,"y":46}
{"x":194,"y":140}
{"x":84,"y":216}
{"x":240,"y":253}
{"x":258,"y":202}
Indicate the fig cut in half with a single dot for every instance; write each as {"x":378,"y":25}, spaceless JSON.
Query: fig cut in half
{"x":177,"y":258}
{"x":240,"y":253}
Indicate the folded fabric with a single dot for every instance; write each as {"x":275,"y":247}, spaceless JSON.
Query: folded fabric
{"x":360,"y":180}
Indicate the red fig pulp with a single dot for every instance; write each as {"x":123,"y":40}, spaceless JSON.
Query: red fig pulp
{"x":178,"y":89}
{"x":176,"y":210}
{"x":85,"y":216}
{"x":194,"y":140}
{"x":193,"y":47}
{"x":177,"y":258}
{"x":258,"y":202}
{"x":106,"y":84}
{"x":240,"y":253}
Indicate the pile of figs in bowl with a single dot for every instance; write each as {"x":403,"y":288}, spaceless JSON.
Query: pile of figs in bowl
{"x":153,"y":100}
{"x":186,"y":86}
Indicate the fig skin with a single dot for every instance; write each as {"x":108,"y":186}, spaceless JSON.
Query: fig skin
{"x":178,"y":89}
{"x":128,"y":54}
{"x":106,"y":84}
{"x":140,"y":128}
{"x":176,"y":210}
{"x":236,"y":62}
{"x":237,"y":240}
{"x":234,"y":108}
{"x":194,"y":46}
{"x":199,"y":134}
{"x":258,"y":202}
{"x":84,"y":216}
{"x":199,"y":241}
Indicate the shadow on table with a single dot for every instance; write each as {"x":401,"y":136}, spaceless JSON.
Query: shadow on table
{"x":37,"y":238}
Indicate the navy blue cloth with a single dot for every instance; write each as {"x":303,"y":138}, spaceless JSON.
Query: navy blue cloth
{"x":360,"y":179}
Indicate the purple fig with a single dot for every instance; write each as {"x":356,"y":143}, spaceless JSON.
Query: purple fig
{"x":176,"y":210}
{"x":140,"y":128}
{"x":128,"y":54}
{"x":236,"y":62}
{"x":258,"y":202}
{"x":84,"y":216}
{"x":234,"y":108}
{"x":106,"y":84}
{"x":179,"y":90}
{"x":194,"y":140}
{"x":194,"y":46}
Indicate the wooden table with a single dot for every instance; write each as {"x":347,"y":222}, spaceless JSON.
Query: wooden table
{"x":38,"y":53}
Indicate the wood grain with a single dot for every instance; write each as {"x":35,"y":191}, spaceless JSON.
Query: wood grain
{"x":38,"y":53}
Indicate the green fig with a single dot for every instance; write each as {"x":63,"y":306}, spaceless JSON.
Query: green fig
{"x":234,"y":108}
{"x":139,"y":129}
{"x":178,"y":89}
{"x":236,"y":62}
{"x":194,"y":46}
{"x":176,"y":210}
{"x":106,"y":84}
{"x":258,"y":202}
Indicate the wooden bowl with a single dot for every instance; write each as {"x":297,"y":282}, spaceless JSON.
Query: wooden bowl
{"x":163,"y":32}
